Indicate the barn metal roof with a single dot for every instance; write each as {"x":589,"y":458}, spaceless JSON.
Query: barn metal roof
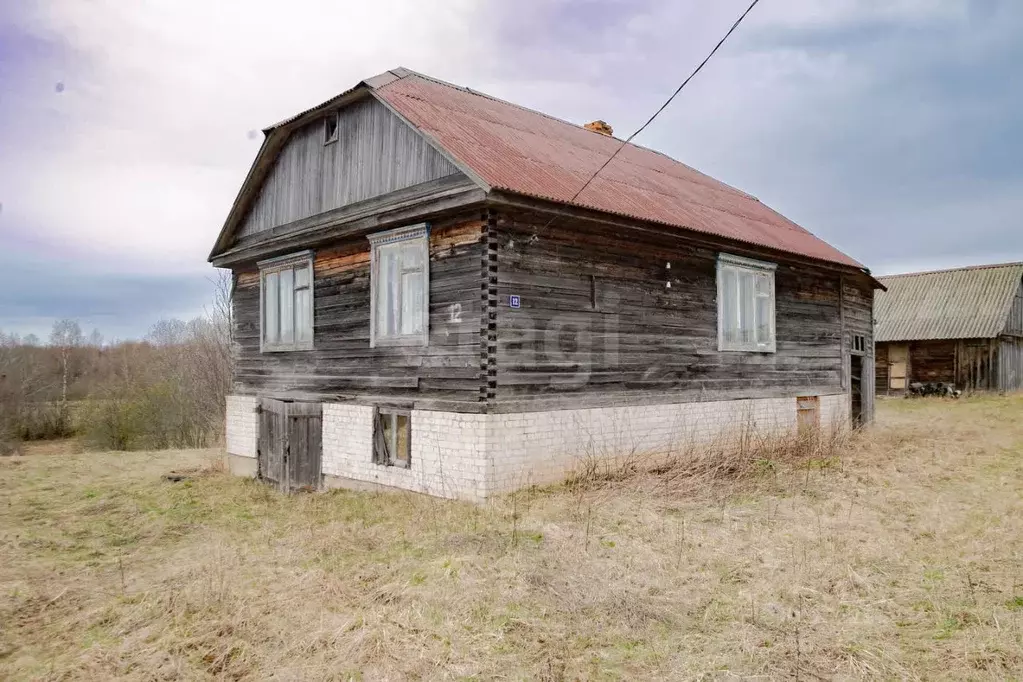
{"x":527,"y":152}
{"x":965,"y":303}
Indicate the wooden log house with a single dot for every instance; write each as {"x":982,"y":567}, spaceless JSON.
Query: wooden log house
{"x":421,"y":300}
{"x":962,"y":326}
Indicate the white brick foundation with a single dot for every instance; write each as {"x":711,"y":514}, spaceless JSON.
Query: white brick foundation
{"x":242,"y":428}
{"x":448,"y":451}
{"x":471,"y":456}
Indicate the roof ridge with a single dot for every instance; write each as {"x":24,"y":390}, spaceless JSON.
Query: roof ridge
{"x":990,"y":266}
{"x":521,"y":107}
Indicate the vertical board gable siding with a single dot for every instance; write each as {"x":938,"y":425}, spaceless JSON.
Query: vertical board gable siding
{"x":375,"y":153}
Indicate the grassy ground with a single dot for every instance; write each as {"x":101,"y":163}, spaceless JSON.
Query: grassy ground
{"x":901,"y":559}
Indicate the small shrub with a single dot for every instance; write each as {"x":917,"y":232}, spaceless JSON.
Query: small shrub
{"x":42,"y":421}
{"x":153,"y":417}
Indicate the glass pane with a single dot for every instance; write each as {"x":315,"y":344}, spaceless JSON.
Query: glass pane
{"x":729,"y":306}
{"x":302,"y":277}
{"x":763,"y":320}
{"x":412,"y":303}
{"x":303,"y":316}
{"x":412,"y":254}
{"x":765,"y":305}
{"x":270,"y":297}
{"x":387,"y":291}
{"x":287,"y":306}
{"x":401,"y":450}
{"x":747,"y":282}
{"x":387,"y":421}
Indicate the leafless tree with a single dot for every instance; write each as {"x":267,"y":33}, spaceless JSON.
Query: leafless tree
{"x":66,"y":337}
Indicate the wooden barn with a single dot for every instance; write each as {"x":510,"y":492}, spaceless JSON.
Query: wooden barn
{"x":961,"y":326}
{"x":428,"y":295}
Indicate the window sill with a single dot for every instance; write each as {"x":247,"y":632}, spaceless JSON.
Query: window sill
{"x":399,"y":467}
{"x":417,"y":340}
{"x":286,"y":349}
{"x":746,"y":349}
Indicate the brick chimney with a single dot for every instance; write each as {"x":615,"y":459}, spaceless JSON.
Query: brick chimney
{"x":600,"y":127}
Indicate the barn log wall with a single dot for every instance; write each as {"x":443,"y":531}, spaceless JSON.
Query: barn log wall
{"x":443,"y":375}
{"x":598,"y":324}
{"x":375,"y":153}
{"x":932,"y":361}
{"x":969,"y":364}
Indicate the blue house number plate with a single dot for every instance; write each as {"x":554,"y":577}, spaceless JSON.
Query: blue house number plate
{"x":514,"y":302}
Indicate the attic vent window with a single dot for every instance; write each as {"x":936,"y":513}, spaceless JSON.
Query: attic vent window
{"x":330,"y":128}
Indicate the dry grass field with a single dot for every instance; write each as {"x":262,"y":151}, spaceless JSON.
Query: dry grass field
{"x":899,"y":558}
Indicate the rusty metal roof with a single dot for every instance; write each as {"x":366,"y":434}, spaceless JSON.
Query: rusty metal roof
{"x":965,"y":303}
{"x":526,"y":152}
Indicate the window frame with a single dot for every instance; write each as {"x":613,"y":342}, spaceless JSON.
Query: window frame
{"x":278,"y":265}
{"x":389,"y":459}
{"x":420,"y":231}
{"x":758,"y":268}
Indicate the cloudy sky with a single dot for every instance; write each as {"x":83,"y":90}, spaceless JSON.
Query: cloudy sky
{"x":891,"y":128}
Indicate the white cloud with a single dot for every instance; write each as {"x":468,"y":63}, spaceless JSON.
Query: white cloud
{"x":160,"y":97}
{"x":820,"y":107}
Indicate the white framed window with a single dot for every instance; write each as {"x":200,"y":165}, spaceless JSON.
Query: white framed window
{"x":286,"y":303}
{"x":399,"y":287}
{"x":745,"y":304}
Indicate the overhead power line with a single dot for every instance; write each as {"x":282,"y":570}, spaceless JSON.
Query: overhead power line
{"x":669,"y":100}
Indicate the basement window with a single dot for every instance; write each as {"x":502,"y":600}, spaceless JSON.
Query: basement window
{"x":399,"y":287}
{"x":286,"y":303}
{"x":392,"y":438}
{"x":745,"y":304}
{"x":330,"y":128}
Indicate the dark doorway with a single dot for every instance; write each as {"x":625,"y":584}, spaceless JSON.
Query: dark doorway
{"x":856,"y":389}
{"x":290,"y":447}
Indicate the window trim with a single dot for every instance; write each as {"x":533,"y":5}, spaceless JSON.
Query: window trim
{"x":858,"y":344}
{"x":331,"y":139}
{"x":739,"y":263}
{"x":277,"y":264}
{"x":380,"y":412}
{"x":397,"y":235}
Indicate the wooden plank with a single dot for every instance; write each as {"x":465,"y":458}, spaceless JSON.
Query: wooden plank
{"x":351,"y":222}
{"x":304,"y":444}
{"x":272,"y":443}
{"x":341,"y":362}
{"x":376,"y":153}
{"x":648,"y":338}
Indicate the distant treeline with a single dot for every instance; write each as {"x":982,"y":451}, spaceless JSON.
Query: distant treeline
{"x":164,"y":391}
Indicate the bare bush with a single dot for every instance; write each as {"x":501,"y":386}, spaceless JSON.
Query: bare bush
{"x":167,"y":391}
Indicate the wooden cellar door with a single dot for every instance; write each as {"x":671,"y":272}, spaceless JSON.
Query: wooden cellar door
{"x":305,"y":428}
{"x":289,"y":448}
